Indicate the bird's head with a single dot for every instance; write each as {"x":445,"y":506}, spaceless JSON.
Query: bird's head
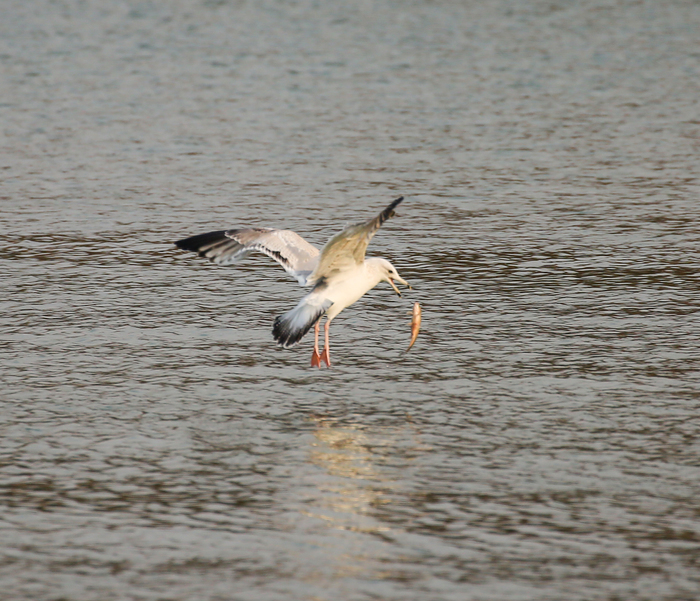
{"x":389,"y":274}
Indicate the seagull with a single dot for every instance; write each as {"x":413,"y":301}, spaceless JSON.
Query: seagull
{"x":338,"y":274}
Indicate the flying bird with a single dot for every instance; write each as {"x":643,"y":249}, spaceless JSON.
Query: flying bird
{"x":338,"y":274}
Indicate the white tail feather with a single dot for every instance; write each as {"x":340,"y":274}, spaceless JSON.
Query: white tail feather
{"x":291,"y":327}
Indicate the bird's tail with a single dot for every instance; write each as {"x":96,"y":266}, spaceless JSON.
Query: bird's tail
{"x":291,"y":327}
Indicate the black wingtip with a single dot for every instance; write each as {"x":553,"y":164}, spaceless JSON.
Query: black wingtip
{"x":195,"y":243}
{"x":388,"y":213}
{"x":394,"y":204}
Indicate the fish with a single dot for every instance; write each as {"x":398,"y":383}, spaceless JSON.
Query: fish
{"x":415,"y":324}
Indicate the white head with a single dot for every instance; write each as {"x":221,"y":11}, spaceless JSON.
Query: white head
{"x":387,"y":273}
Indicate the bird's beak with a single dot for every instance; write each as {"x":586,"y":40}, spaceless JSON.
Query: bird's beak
{"x":400,"y":280}
{"x":394,"y":287}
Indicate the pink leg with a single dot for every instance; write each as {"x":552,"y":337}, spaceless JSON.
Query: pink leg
{"x":327,"y":346}
{"x":316,"y":357}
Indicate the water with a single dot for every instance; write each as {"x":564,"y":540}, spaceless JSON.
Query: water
{"x":540,"y":441}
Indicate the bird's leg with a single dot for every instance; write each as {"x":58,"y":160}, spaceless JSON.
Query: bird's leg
{"x":327,"y":346}
{"x":316,"y":357}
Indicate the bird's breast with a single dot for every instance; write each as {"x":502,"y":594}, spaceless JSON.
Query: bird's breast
{"x":344,"y":291}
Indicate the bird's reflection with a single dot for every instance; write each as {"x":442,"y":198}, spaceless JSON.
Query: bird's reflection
{"x":355,"y":484}
{"x":358,"y":482}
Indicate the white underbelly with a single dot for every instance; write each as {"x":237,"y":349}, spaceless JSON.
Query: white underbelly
{"x":345,"y":292}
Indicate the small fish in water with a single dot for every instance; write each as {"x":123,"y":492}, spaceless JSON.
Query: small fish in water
{"x":415,"y":324}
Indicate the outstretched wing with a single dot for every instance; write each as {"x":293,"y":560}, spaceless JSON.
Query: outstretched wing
{"x":347,"y":249}
{"x":289,"y":249}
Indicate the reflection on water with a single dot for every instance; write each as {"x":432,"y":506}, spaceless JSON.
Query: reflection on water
{"x":363,"y":478}
{"x":539,"y":441}
{"x":344,"y":501}
{"x":347,"y":503}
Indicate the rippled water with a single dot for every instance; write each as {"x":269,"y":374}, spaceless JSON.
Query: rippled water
{"x":540,"y":441}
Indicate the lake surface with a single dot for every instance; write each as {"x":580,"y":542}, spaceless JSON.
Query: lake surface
{"x":539,"y":442}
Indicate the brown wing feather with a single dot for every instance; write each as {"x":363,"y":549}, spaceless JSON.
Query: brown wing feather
{"x":348,"y":248}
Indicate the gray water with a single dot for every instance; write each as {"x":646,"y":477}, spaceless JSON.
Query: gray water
{"x":540,"y":441}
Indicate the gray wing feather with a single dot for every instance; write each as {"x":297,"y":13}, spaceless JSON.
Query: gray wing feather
{"x":289,"y":249}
